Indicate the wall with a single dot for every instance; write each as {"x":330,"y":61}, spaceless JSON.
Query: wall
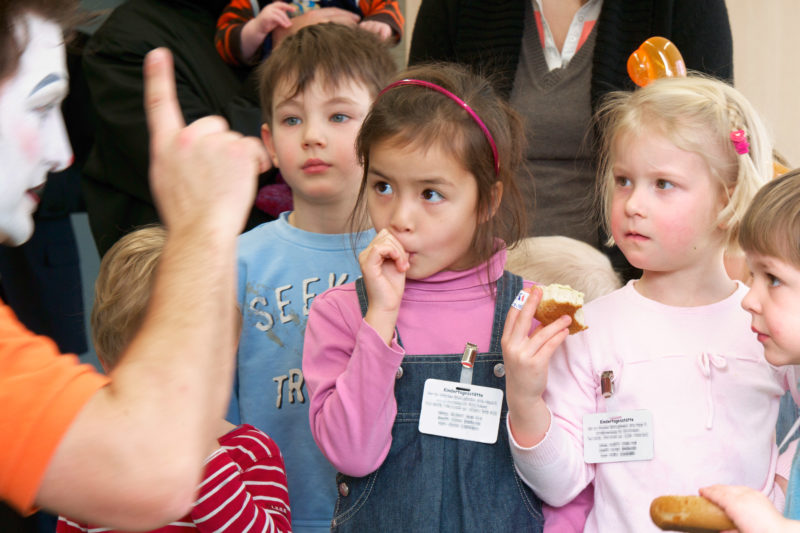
{"x":766,"y":65}
{"x":411,"y":8}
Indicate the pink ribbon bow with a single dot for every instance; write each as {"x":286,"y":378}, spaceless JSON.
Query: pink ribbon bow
{"x":739,"y":140}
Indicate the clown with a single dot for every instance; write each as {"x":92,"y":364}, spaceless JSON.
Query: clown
{"x":74,"y":440}
{"x":33,"y":139}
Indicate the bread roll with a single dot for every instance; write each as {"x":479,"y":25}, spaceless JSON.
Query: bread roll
{"x":694,"y":514}
{"x":559,"y":300}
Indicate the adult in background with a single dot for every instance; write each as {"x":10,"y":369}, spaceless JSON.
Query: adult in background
{"x":554,"y":60}
{"x":118,"y":197}
{"x":126,"y":450}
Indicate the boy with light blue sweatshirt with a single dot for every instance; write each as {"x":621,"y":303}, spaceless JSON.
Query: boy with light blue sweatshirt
{"x":315,"y":90}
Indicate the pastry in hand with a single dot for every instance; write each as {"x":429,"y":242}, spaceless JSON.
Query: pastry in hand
{"x":557,"y":301}
{"x":694,"y":514}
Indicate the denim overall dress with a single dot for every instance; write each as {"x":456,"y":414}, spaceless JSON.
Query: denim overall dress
{"x":432,"y":483}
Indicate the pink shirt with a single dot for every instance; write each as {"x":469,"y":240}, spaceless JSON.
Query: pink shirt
{"x":350,"y":371}
{"x":702,"y":374}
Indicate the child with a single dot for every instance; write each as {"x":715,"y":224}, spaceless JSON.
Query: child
{"x":559,"y":259}
{"x":770,"y":236}
{"x":247,"y":30}
{"x":244,"y":482}
{"x":315,"y":91}
{"x":440,"y":150}
{"x":669,"y":356}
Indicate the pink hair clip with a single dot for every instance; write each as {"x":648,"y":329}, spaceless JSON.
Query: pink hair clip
{"x":739,"y":140}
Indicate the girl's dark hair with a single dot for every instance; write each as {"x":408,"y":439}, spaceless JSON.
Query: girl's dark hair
{"x":62,"y":12}
{"x":419,"y":117}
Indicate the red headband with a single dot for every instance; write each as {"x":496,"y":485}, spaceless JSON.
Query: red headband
{"x":459,"y":101}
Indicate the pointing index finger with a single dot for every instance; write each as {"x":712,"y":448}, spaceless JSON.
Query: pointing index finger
{"x":164,"y":117}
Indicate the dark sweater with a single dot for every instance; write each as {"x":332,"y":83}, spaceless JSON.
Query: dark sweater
{"x":557,"y":180}
{"x":488,"y":35}
{"x":115,"y":179}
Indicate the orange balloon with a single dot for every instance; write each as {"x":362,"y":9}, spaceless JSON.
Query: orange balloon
{"x":656,"y":58}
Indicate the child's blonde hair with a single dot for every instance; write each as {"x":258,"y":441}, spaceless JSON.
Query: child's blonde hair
{"x":419,"y":117}
{"x":696,"y":114}
{"x":558,"y":259}
{"x":122,"y":291}
{"x":771,"y":225}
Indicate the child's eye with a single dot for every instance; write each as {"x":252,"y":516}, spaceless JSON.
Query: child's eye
{"x":664,"y":184}
{"x":432,"y":196}
{"x":339,"y":117}
{"x":774,"y":281}
{"x":291,"y":121}
{"x":383,"y":188}
{"x":622,"y":181}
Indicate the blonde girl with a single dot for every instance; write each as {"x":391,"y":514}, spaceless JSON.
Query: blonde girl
{"x":668,"y":359}
{"x":439,"y":150}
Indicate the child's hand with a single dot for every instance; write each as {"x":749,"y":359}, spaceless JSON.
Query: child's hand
{"x":315,"y":16}
{"x":384,"y":264}
{"x":274,"y":15}
{"x":749,"y":509}
{"x":526,"y":357}
{"x":381,"y":29}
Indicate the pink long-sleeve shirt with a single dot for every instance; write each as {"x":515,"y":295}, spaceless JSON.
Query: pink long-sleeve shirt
{"x":702,"y":374}
{"x":350,"y":371}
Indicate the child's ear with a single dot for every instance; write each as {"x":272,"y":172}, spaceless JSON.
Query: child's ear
{"x":497,"y":196}
{"x":724,"y":199}
{"x":496,"y":193}
{"x":266,"y":138}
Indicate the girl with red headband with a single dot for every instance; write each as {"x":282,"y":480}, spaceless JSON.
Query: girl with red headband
{"x":404,"y":366}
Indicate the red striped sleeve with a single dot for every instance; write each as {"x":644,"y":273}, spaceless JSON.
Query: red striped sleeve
{"x":243,"y":489}
{"x":244,"y":486}
{"x":66,"y":525}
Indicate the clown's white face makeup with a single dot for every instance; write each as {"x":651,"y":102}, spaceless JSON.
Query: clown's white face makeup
{"x":33,"y":139}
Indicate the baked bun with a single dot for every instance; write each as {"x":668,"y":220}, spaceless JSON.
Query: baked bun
{"x":694,"y":514}
{"x":559,"y":300}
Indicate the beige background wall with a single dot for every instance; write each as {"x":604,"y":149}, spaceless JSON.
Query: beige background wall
{"x":766,"y":63}
{"x":411,"y":8}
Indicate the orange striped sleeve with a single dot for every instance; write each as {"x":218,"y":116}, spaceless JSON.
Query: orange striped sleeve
{"x":227,"y":38}
{"x":387,"y":11}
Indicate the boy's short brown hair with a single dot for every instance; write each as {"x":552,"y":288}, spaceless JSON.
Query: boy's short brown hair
{"x":122,"y":291}
{"x":335,"y":52}
{"x":771,"y":225}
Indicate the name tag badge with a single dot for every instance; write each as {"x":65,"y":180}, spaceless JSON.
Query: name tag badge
{"x":460,"y":411}
{"x":618,"y":436}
